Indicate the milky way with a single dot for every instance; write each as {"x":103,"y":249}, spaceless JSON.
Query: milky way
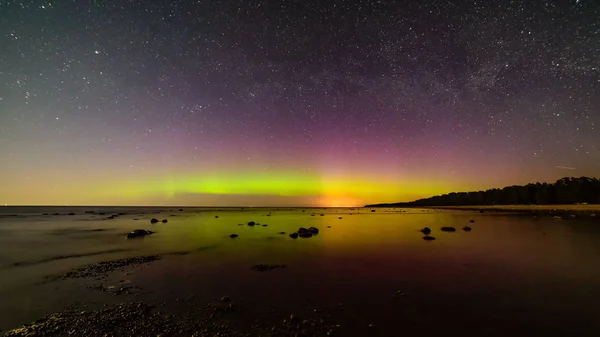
{"x":293,"y":102}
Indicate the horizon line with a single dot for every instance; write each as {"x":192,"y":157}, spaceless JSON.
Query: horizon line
{"x":171,"y":206}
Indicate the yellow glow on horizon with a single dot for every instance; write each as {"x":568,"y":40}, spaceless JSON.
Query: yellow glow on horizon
{"x":228,"y":188}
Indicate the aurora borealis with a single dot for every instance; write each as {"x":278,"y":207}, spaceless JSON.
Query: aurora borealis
{"x":292,"y":103}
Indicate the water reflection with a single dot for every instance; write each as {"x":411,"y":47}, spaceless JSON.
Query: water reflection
{"x":509,"y":273}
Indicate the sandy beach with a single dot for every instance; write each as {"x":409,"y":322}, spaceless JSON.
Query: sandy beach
{"x":363,"y":273}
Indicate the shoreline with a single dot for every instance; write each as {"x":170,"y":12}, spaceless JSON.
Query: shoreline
{"x":551,"y":210}
{"x":138,"y":312}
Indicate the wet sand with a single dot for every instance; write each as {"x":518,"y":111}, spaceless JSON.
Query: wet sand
{"x":366,"y":274}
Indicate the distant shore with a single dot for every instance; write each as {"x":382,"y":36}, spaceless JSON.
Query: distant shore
{"x":550,"y":209}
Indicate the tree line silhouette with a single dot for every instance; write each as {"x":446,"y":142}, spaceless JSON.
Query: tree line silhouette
{"x":567,"y":190}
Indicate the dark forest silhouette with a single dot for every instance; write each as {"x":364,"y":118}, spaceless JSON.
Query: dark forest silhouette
{"x":563,"y":191}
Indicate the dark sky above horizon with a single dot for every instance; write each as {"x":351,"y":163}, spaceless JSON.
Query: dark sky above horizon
{"x":329,"y":103}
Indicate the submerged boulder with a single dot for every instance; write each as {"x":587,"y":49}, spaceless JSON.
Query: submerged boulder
{"x":428,"y":238}
{"x":448,"y":229}
{"x":313,"y":230}
{"x":138,"y":233}
{"x":302,"y":230}
{"x":467,"y":229}
{"x":251,"y":223}
{"x":294,"y":235}
{"x":426,"y":230}
{"x":153,"y":220}
{"x":233,"y":236}
{"x":305,"y":235}
{"x":165,"y":221}
{"x":471,"y":221}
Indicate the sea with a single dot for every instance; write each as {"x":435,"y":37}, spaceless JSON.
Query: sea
{"x":369,"y":269}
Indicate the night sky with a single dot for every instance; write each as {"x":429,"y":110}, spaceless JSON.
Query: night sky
{"x":330,"y":103}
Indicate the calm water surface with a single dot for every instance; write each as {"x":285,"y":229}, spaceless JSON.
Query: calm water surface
{"x":512,"y":275}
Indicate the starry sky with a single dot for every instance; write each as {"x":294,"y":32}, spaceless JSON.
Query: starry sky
{"x":279,"y":103}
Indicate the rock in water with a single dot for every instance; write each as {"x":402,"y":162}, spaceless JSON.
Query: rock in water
{"x":471,"y":221}
{"x":302,"y":230}
{"x":251,"y":223}
{"x":305,"y":235}
{"x":448,"y":229}
{"x":233,"y":236}
{"x":313,"y":230}
{"x":428,"y":238}
{"x":294,"y":235}
{"x":138,"y":233}
{"x":165,"y":221}
{"x":154,"y":220}
{"x":426,"y":230}
{"x":267,"y":267}
{"x":467,"y":229}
